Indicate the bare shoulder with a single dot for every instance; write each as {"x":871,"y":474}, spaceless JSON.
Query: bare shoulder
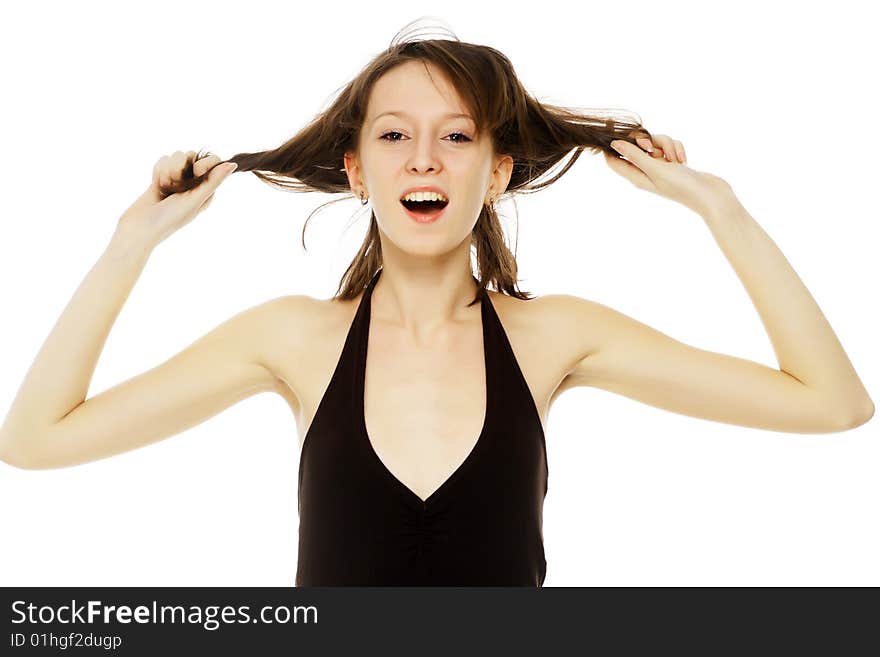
{"x":604,"y":345}
{"x":577,"y":321}
{"x":565,"y":319}
{"x":296,"y":331}
{"x":551,"y":335}
{"x":570,"y":331}
{"x":281,"y":318}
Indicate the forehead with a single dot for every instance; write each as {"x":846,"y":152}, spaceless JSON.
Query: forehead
{"x":409,"y":91}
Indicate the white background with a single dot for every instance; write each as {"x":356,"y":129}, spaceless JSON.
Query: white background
{"x":774,"y":98}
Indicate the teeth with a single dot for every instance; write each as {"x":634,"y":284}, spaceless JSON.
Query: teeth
{"x":424,"y":196}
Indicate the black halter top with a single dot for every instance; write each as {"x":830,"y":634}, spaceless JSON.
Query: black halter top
{"x":361,"y":526}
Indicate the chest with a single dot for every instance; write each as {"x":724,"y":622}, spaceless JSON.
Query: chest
{"x":424,"y":406}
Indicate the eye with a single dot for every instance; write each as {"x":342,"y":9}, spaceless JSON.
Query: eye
{"x":463,"y":137}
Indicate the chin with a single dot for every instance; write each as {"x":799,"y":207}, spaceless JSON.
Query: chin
{"x":409,"y":242}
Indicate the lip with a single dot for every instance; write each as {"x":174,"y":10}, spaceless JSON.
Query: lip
{"x":424,"y":188}
{"x":422,"y":218}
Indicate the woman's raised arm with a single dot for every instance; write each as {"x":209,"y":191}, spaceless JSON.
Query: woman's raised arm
{"x":51,"y":424}
{"x":214,"y":372}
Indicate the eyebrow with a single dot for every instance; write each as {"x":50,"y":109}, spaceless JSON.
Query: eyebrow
{"x":450,"y":115}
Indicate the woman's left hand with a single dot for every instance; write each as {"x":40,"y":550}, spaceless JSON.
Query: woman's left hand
{"x":665,"y":172}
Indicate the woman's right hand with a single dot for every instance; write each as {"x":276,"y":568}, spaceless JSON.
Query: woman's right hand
{"x":182,"y":186}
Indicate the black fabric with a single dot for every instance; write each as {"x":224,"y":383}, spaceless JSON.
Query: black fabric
{"x":361,"y":526}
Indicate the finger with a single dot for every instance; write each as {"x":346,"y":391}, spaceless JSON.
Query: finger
{"x":633,"y":153}
{"x":678,"y":154}
{"x":673,"y":150}
{"x":167,"y":168}
{"x":162,"y":172}
{"x":197,"y":196}
{"x":663,"y":148}
{"x":184,"y":169}
{"x":668,"y":147}
{"x":216,"y":175}
{"x":173,"y":176}
{"x":178,"y":165}
{"x":628,"y":170}
{"x":645,"y":143}
{"x":658,"y":152}
{"x":201,"y":167}
{"x":653,"y":148}
{"x":682,"y":156}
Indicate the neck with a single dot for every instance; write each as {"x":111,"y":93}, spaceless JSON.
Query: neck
{"x":424,"y":300}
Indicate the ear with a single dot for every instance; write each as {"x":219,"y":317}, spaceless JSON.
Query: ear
{"x":501,"y":174}
{"x":352,"y":170}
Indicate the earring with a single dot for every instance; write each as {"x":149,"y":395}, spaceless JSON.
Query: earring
{"x":363,"y":200}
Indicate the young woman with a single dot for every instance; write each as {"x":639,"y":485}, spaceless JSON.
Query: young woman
{"x":421,"y":396}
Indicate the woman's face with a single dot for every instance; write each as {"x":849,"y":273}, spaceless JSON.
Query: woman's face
{"x":420,"y":144}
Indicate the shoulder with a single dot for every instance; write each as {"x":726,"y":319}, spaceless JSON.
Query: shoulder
{"x":290,"y":325}
{"x":291,"y":320}
{"x":279,"y":314}
{"x":279,"y":325}
{"x":560,"y":331}
{"x":566,"y":320}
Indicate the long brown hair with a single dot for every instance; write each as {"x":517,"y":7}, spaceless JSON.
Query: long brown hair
{"x":536,"y":135}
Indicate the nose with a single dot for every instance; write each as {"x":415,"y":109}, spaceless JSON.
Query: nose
{"x":423,"y":157}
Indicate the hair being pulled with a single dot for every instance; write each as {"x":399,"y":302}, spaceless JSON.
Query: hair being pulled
{"x":536,"y":135}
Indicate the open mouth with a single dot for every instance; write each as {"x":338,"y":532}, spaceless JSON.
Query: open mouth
{"x":424,"y":207}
